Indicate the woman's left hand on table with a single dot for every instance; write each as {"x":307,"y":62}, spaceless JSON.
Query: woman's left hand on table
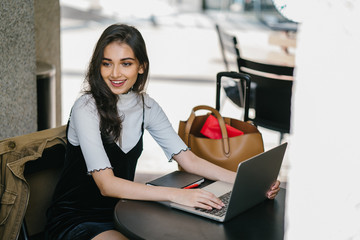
{"x":274,"y":190}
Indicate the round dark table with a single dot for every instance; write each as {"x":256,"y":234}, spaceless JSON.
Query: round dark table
{"x":152,"y":220}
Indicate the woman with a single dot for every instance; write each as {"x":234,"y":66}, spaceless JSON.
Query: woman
{"x":105,"y":133}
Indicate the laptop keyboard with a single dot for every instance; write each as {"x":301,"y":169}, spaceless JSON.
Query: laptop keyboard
{"x":219,"y":212}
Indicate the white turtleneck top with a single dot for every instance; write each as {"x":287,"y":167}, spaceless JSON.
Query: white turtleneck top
{"x":84,"y":128}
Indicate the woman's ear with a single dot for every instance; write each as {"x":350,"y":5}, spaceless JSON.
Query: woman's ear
{"x":141,"y":69}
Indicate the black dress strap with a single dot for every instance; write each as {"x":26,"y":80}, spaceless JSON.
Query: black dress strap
{"x":142,"y":124}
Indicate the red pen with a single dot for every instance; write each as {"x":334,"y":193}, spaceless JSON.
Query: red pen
{"x":194,"y":185}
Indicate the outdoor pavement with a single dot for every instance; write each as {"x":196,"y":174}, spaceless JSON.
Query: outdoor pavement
{"x":184,"y":57}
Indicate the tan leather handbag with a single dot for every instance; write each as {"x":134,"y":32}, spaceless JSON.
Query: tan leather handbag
{"x":225,"y":152}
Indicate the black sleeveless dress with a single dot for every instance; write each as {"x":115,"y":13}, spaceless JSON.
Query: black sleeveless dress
{"x":78,"y":210}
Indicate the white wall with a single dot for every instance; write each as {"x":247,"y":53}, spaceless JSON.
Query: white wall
{"x":323,"y":193}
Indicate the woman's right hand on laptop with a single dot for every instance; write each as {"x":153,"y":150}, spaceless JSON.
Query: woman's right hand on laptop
{"x":196,"y":198}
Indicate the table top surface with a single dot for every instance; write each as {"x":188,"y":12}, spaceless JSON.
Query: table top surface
{"x":152,"y":220}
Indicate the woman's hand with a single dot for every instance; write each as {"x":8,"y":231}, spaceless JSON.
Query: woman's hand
{"x":197,"y":198}
{"x":274,"y":190}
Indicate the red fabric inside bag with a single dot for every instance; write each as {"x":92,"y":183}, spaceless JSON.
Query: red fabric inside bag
{"x":211,"y":129}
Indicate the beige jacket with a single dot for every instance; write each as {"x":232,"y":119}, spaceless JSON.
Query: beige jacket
{"x":14,"y":189}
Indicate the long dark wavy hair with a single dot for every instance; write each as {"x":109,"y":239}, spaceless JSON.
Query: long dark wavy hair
{"x":105,"y":99}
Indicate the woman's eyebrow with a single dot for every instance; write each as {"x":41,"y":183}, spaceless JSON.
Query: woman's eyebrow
{"x":128,"y":58}
{"x":123,"y":59}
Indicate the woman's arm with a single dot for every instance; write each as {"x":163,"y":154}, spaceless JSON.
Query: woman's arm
{"x":112,"y":186}
{"x":192,"y":163}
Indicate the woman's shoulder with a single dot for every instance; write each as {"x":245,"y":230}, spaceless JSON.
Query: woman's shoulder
{"x":85,"y":100}
{"x":149,"y":101}
{"x":83,"y":110}
{"x":153,"y":109}
{"x":85,"y":103}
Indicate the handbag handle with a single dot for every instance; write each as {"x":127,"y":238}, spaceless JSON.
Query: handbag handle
{"x":225,"y":138}
{"x":242,"y":77}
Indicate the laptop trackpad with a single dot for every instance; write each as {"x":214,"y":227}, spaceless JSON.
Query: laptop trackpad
{"x":219,"y":188}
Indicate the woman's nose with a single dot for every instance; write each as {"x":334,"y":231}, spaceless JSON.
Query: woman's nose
{"x":116,"y":72}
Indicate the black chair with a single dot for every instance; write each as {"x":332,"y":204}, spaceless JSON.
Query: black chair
{"x":270,"y":89}
{"x":273,"y":94}
{"x":42,"y":175}
{"x":228,"y":44}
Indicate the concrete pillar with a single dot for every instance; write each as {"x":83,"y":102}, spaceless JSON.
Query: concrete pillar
{"x":29,"y":31}
{"x":17,"y":68}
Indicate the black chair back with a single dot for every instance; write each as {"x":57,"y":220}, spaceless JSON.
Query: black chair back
{"x":270,"y":89}
{"x":272,"y":94}
{"x":234,"y":90}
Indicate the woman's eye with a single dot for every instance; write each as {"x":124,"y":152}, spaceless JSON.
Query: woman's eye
{"x":126,"y":64}
{"x":106,"y":64}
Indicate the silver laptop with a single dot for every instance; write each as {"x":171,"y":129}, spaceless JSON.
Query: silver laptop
{"x":254,"y":178}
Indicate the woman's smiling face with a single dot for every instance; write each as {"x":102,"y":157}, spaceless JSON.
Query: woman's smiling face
{"x":119,"y":67}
